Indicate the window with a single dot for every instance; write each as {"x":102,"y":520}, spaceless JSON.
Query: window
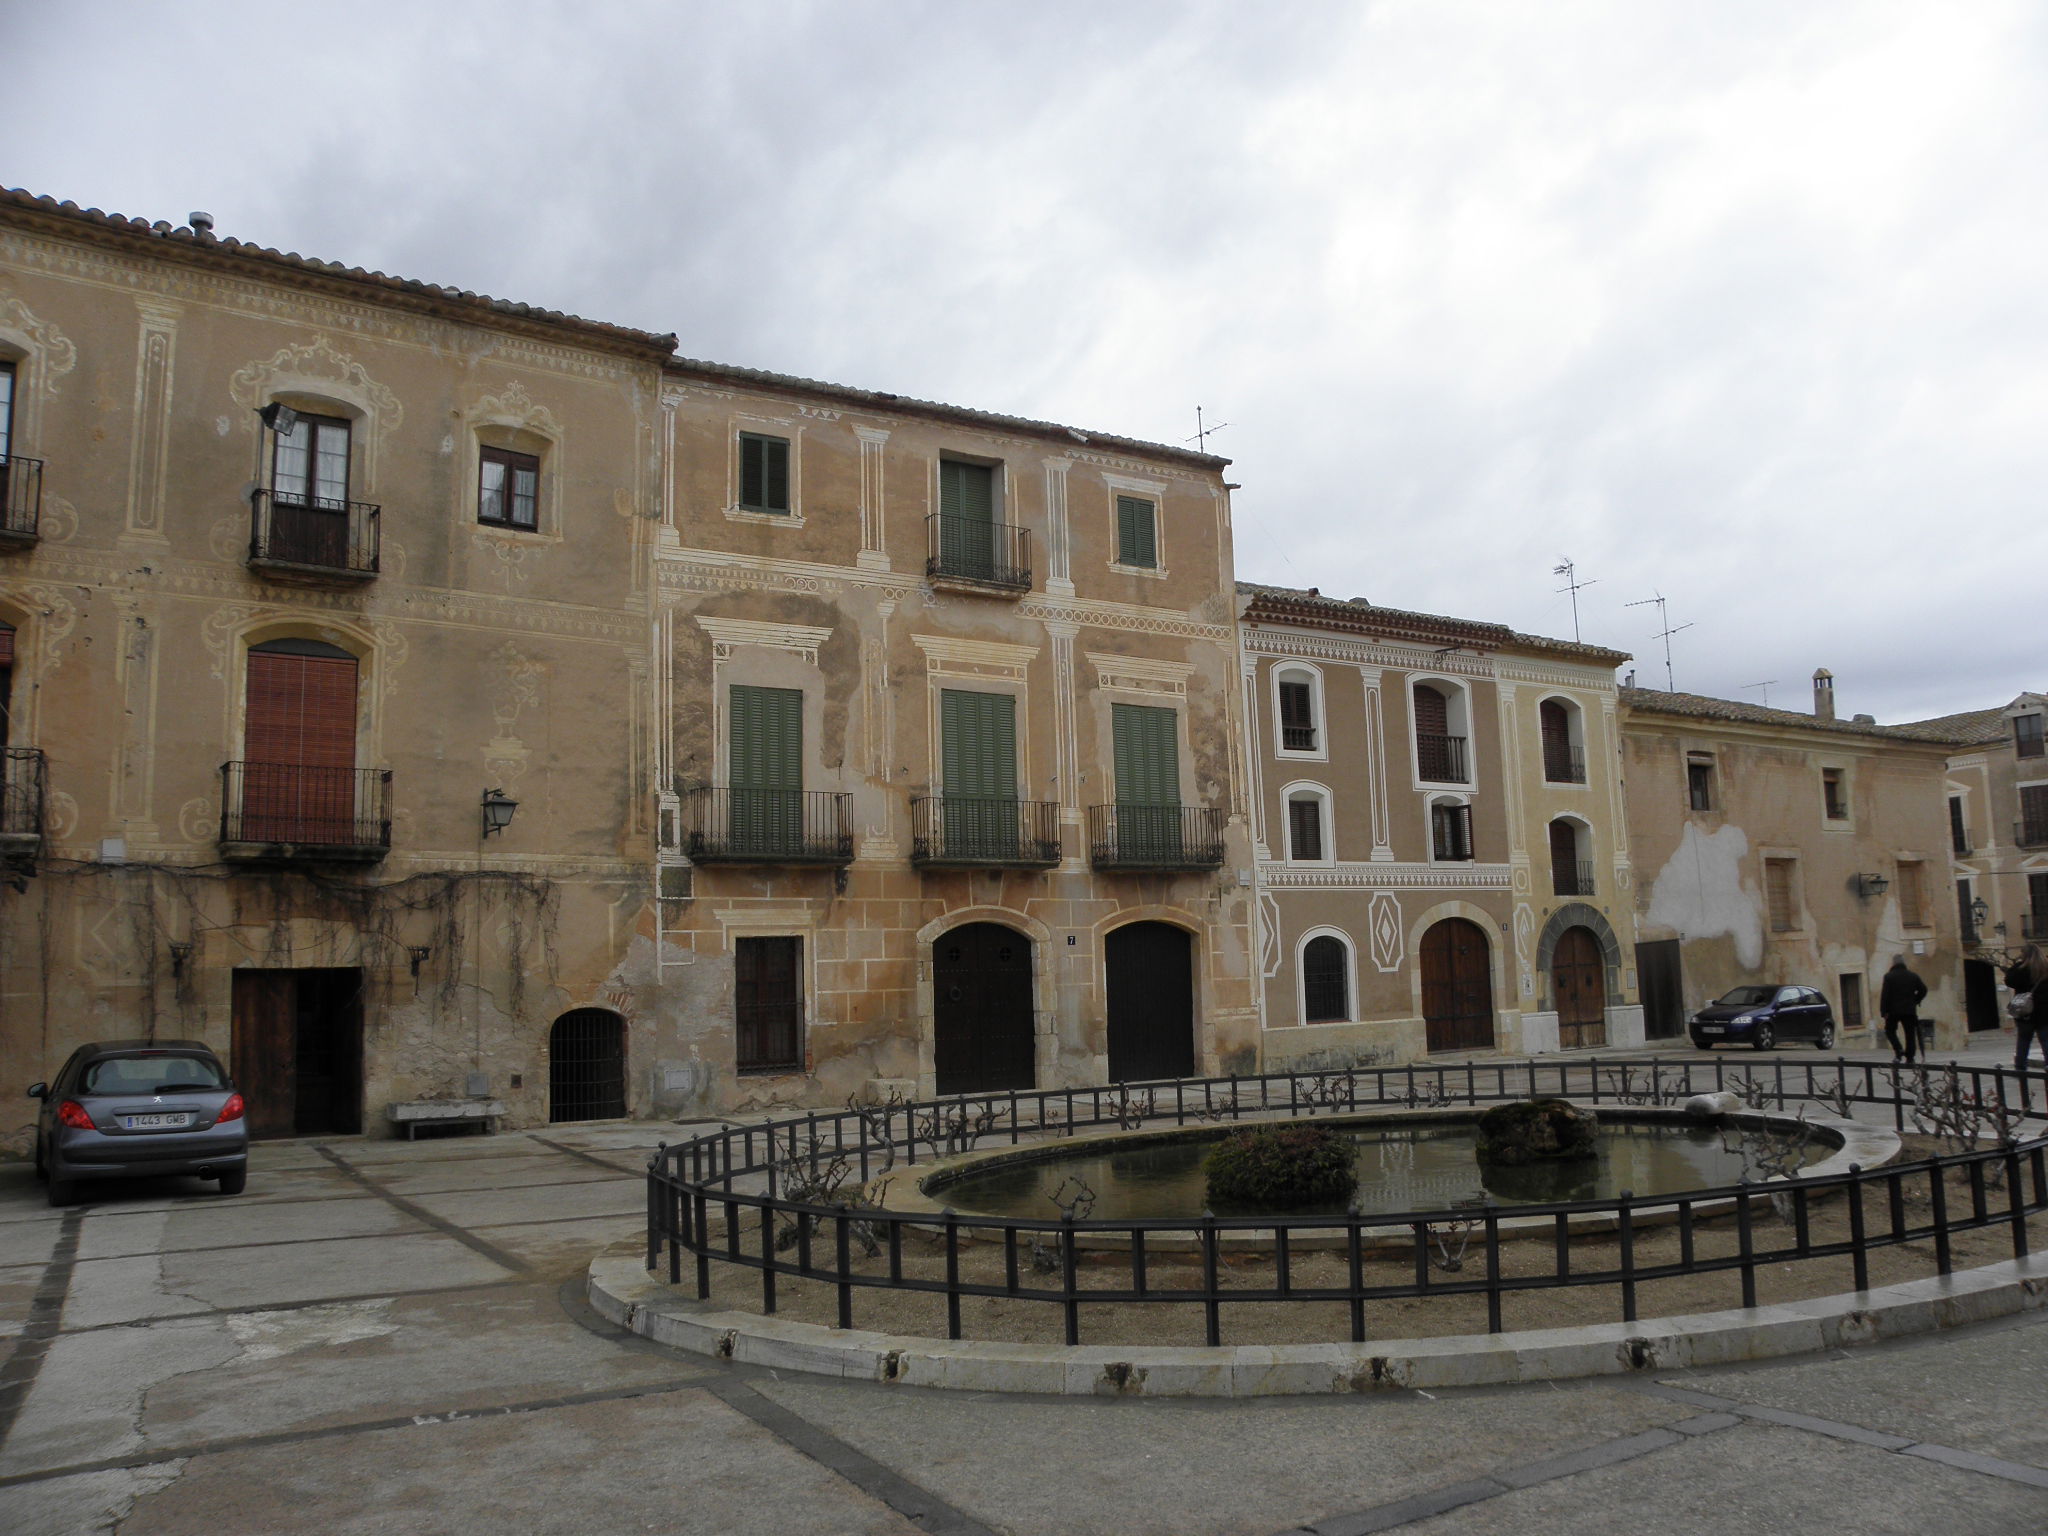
{"x":310,"y":465}
{"x":768,"y":1004}
{"x":508,"y":489}
{"x":1833,"y":799}
{"x":6,"y":409}
{"x":1913,"y":895}
{"x":2026,"y":735}
{"x":1966,"y":919}
{"x":1325,"y":980}
{"x":2034,"y":921}
{"x":2033,"y":828}
{"x":764,"y":473}
{"x":1146,"y":742}
{"x":1450,"y":831}
{"x":1305,"y":827}
{"x":967,"y":491}
{"x":1852,"y":999}
{"x":1699,"y":781}
{"x":1778,"y":899}
{"x":1137,"y":532}
{"x":978,"y":762}
{"x":1958,"y":833}
{"x":1571,"y":874}
{"x":7,"y":635}
{"x":1439,"y":753}
{"x":297,"y":780}
{"x":1298,"y":697}
{"x":766,"y":762}
{"x":1564,"y":756}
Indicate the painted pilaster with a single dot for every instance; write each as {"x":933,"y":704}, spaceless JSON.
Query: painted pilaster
{"x":1059,"y":579}
{"x":874,"y":554}
{"x":135,"y":756}
{"x":671,"y":534}
{"x":1376,"y":768}
{"x":149,"y":459}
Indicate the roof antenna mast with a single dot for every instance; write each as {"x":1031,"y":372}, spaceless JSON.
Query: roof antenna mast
{"x":1663,"y":634}
{"x":1203,"y":431}
{"x":1572,"y":584}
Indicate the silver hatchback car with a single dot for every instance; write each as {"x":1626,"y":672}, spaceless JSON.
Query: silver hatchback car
{"x":129,"y":1109}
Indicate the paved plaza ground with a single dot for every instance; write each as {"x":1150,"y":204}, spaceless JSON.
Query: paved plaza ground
{"x":381,"y":1336}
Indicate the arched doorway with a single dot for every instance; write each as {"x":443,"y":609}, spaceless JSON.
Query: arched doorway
{"x":1457,"y":987}
{"x":1150,"y":969}
{"x":1578,"y":981}
{"x":587,"y":1066}
{"x":982,"y":1037}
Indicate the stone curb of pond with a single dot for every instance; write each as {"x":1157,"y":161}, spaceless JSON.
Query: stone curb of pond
{"x":621,"y":1289}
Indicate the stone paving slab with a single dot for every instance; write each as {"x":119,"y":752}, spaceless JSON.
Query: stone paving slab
{"x":544,"y":1169}
{"x":561,"y":1245}
{"x":18,"y":1284}
{"x":487,"y":1208}
{"x":206,"y":1227}
{"x":1751,"y":1479}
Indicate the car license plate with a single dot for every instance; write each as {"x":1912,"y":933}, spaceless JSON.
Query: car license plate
{"x":1713,"y":1029}
{"x":159,"y":1122}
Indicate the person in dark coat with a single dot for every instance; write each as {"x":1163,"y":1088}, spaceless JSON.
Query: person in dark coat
{"x":1899,"y":1001}
{"x":2029,"y":978}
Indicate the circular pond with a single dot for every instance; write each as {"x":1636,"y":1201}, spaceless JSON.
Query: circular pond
{"x":1401,"y":1167}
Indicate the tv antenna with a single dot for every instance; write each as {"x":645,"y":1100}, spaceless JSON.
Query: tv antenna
{"x":1203,"y":431}
{"x":1766,"y":686}
{"x":1663,"y":634}
{"x":1572,"y":584}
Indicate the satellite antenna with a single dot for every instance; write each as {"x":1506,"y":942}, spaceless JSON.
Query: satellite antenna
{"x":1203,"y":431}
{"x":1572,"y":584}
{"x":1766,"y":686}
{"x":1663,"y":634}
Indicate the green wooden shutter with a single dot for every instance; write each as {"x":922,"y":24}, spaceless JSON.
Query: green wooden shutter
{"x":978,"y":739}
{"x":967,"y":509}
{"x":1137,"y":534}
{"x":766,"y":753}
{"x":1147,"y":780}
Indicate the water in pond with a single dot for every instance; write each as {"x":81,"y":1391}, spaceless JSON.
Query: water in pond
{"x":1400,"y":1168}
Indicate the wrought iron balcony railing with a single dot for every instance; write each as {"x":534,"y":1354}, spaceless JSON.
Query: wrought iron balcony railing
{"x":1440,"y":758}
{"x":315,"y":536}
{"x":289,"y":810}
{"x":970,"y":830}
{"x":974,"y":553}
{"x":768,"y":826}
{"x":1161,"y":837}
{"x":23,"y":785}
{"x":1563,"y":763}
{"x":2031,"y":832}
{"x":21,"y":499}
{"x":1298,"y":738}
{"x":1572,"y":879}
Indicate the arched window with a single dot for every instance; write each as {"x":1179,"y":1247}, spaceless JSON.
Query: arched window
{"x":1325,"y":980}
{"x":1440,"y":734}
{"x":1298,"y":705}
{"x":1562,"y":727}
{"x":1310,"y":832}
{"x":1571,"y":863}
{"x":1450,"y":830}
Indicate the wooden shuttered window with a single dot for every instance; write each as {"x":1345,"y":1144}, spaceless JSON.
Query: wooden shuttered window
{"x":764,"y":473}
{"x":1147,"y":754}
{"x":1564,"y":858}
{"x":1432,"y":712}
{"x":301,"y":708}
{"x":1778,"y":902}
{"x":1305,"y":828}
{"x":2033,"y":827}
{"x":1450,"y":832}
{"x":765,"y":754}
{"x":1137,"y":532}
{"x":978,"y":760}
{"x":967,"y":491}
{"x":6,"y":645}
{"x":1297,"y":717}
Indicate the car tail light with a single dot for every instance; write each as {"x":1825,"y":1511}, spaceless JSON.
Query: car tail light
{"x":73,"y":1114}
{"x":232,"y":1110}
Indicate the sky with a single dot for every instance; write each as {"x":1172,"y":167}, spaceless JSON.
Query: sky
{"x":1740,"y":304}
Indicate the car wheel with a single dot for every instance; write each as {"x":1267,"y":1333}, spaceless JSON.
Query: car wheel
{"x":63,"y":1191}
{"x":1826,"y":1042}
{"x":234,"y":1183}
{"x":1763,"y":1039}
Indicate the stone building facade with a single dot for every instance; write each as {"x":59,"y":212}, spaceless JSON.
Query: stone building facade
{"x":948,"y":750}
{"x":258,"y":680}
{"x":1779,"y":847}
{"x":1443,"y":860}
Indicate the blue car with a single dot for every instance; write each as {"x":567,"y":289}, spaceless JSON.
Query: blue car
{"x":1761,"y":1016}
{"x":127,"y":1109}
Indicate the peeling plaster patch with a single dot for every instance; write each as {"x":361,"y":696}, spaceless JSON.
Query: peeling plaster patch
{"x":267,"y":1335}
{"x":1699,"y":892}
{"x":89,"y":1503}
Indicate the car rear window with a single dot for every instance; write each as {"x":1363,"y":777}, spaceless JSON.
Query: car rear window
{"x":152,"y":1073}
{"x":1749,"y":997}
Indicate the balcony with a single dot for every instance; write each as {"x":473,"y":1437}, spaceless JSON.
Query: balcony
{"x":2031,"y":832}
{"x":1563,"y":763}
{"x":1441,"y":759}
{"x":312,"y":538}
{"x":1572,"y":879}
{"x":23,"y":776}
{"x":1155,"y":837}
{"x":768,"y":826}
{"x":975,"y":556}
{"x":288,"y":811}
{"x":21,"y":500}
{"x":970,"y":832}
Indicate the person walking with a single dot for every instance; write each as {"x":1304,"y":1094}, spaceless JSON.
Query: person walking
{"x":1899,"y":1001}
{"x":2028,"y":978}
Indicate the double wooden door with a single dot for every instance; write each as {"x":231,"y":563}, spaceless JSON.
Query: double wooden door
{"x":1578,"y":978}
{"x":297,"y":1055}
{"x":1150,"y":972}
{"x":1457,"y":987}
{"x":982,"y":1034}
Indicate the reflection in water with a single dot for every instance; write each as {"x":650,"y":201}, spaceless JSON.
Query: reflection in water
{"x":1400,"y":1168}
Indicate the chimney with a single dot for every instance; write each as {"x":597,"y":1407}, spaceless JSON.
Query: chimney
{"x":1823,"y":694}
{"x":202,"y":224}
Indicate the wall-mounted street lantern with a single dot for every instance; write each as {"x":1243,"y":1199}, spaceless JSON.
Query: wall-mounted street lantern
{"x":417,"y":954}
{"x":181,"y":951}
{"x":279,"y":417}
{"x":1979,"y":910}
{"x":498,"y":809}
{"x":1872,"y":885}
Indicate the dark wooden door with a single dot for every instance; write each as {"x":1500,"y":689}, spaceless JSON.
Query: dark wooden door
{"x":264,"y":1055}
{"x":1660,"y":978}
{"x":1457,"y":987}
{"x":1980,"y":995}
{"x":1578,"y":977}
{"x":587,"y":1066}
{"x":982,"y":1036}
{"x":1151,"y":986}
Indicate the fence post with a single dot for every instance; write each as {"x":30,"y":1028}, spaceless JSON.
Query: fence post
{"x":1858,"y":1255}
{"x":703,"y":1246}
{"x":1212,"y":1319}
{"x":767,"y":1259}
{"x":1069,"y":1281}
{"x":952,"y":1273}
{"x":1937,"y":1193}
{"x":1743,"y":1238}
{"x":2016,"y":1203}
{"x":845,"y":1274}
{"x":1626,"y":1217}
{"x":1355,"y":1251}
{"x":1493,"y":1320}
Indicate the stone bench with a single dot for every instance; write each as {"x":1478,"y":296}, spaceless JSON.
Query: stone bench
{"x":413,"y":1113}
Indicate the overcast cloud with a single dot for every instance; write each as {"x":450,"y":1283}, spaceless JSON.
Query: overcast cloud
{"x":1743,"y":303}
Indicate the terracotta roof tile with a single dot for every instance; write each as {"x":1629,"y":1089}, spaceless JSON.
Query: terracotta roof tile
{"x":1701,"y":707}
{"x":1306,"y":605}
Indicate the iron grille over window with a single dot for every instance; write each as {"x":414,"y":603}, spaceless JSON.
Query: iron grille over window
{"x":1324,"y":982}
{"x":22,"y":783}
{"x":315,"y":534}
{"x":978,"y":552}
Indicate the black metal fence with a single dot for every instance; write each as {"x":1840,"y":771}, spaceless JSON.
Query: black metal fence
{"x":291,"y":804}
{"x":768,"y":826}
{"x":983,"y":830}
{"x":21,"y":496}
{"x":1140,"y":837}
{"x":315,"y":533}
{"x":972,"y":549}
{"x":721,"y":1198}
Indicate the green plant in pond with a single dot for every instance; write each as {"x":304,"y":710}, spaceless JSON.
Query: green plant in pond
{"x":1279,"y":1167}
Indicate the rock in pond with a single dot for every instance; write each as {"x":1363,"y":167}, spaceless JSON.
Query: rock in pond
{"x":1537,"y":1130}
